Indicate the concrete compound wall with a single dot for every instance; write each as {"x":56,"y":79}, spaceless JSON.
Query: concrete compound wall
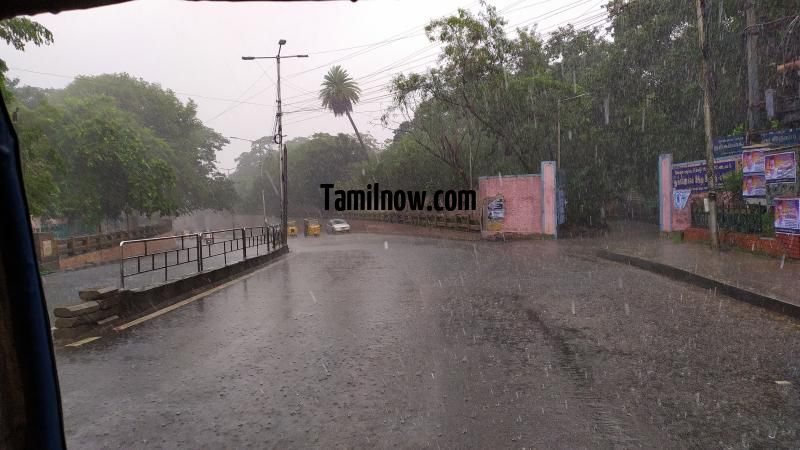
{"x":113,"y":254}
{"x":673,"y":219}
{"x":530,"y":203}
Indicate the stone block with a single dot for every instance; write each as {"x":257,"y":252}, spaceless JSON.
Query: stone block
{"x":108,"y":303}
{"x":97,"y":293}
{"x":85,"y":319}
{"x":76,"y":310}
{"x":67,"y":322}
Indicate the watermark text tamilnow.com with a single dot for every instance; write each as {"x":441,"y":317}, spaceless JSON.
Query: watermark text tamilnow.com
{"x":374,"y":199}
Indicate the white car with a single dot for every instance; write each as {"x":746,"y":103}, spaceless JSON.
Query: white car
{"x":337,"y":226}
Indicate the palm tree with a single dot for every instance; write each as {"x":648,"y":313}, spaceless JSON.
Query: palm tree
{"x":339,"y":93}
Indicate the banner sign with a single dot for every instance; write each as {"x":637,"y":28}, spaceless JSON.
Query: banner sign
{"x":496,"y":213}
{"x":780,"y":168}
{"x":753,"y":161}
{"x":727,"y":146}
{"x":787,"y":215}
{"x":754,"y":185}
{"x":733,"y":145}
{"x":692,"y":175}
{"x":496,"y":209}
{"x":681,"y":197}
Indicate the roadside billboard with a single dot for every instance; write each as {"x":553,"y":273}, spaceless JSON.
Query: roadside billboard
{"x":754,"y":185}
{"x":733,"y":145}
{"x":753,"y":162}
{"x":787,"y":215}
{"x":780,"y":168}
{"x":692,"y":175}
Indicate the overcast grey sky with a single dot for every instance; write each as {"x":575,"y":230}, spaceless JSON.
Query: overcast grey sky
{"x":195,"y":49}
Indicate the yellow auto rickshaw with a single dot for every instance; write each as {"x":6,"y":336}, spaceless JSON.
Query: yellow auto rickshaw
{"x":311,"y":227}
{"x":291,"y":228}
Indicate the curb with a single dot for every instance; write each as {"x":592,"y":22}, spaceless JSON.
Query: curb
{"x":755,"y":299}
{"x":135,"y":303}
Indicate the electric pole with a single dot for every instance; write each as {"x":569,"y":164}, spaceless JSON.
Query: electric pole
{"x":263,"y":197}
{"x":558,"y":134}
{"x":706,"y":81}
{"x":558,"y":125}
{"x":753,"y":98}
{"x":278,"y":138}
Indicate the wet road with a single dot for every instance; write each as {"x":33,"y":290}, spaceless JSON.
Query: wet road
{"x":369,"y":341}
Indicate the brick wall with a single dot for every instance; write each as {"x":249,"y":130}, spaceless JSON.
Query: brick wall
{"x":778,"y":246}
{"x":113,"y":254}
{"x":522,"y":197}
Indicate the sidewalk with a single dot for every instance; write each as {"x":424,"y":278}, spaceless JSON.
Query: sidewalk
{"x":777,"y":279}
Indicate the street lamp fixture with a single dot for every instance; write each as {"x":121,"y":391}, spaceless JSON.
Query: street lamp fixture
{"x":240,"y":139}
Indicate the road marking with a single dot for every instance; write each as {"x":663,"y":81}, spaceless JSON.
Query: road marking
{"x":193,"y":298}
{"x":83,"y":341}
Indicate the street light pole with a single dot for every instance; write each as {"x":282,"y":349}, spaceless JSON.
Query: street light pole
{"x":263,"y":198}
{"x":281,"y":148}
{"x":278,"y":138}
{"x":558,"y":133}
{"x":558,"y":126}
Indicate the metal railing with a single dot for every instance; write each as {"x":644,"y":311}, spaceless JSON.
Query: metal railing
{"x":192,"y":253}
{"x":740,"y":218}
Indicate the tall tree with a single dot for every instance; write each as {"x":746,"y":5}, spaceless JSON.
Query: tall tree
{"x":112,"y":144}
{"x":339,"y":93}
{"x":193,"y":146}
{"x":18,"y":32}
{"x":112,"y":164}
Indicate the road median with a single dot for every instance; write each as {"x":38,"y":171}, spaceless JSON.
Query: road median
{"x":110,"y":307}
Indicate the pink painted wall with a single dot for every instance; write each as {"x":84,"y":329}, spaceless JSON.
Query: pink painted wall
{"x":530,"y":202}
{"x":523,"y":202}
{"x":682,"y":218}
{"x":672,"y":218}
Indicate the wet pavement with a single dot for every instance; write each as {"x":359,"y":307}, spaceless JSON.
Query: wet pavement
{"x":369,"y":341}
{"x":774,"y":277}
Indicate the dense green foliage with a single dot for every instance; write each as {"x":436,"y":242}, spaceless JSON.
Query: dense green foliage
{"x":621,"y":91}
{"x":625,"y":94}
{"x":321,"y":158}
{"x":110,"y":145}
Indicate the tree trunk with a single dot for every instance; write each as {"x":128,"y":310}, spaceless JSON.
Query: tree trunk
{"x":358,"y":135}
